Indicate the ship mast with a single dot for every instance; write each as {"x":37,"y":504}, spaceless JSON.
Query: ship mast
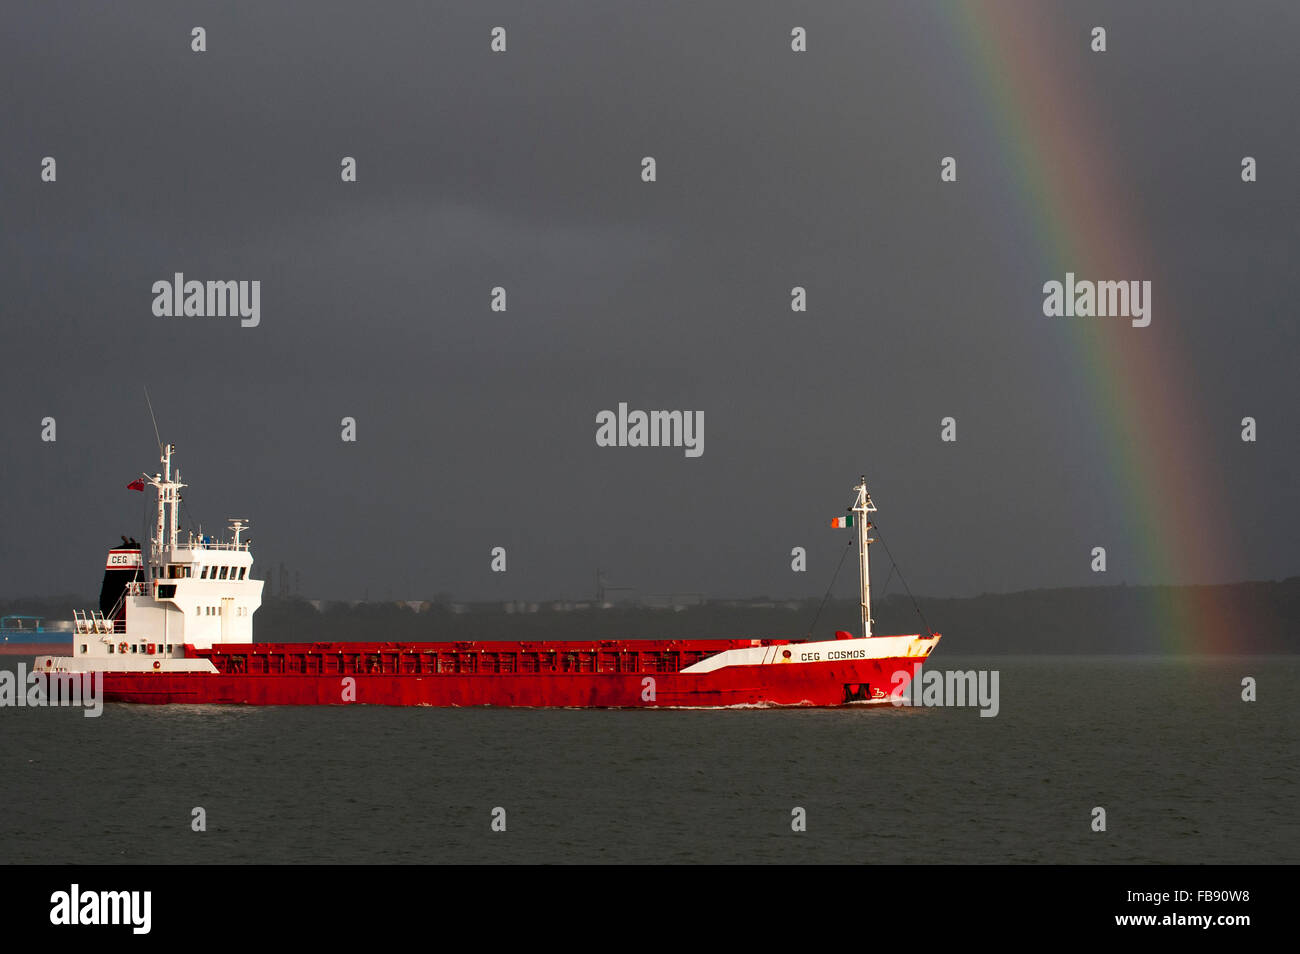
{"x":167,"y":524}
{"x":861,"y":508}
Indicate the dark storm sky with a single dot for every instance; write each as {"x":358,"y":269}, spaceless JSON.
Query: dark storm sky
{"x":477,"y":429}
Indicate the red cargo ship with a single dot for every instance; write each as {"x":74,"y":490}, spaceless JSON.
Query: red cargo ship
{"x":179,"y":630}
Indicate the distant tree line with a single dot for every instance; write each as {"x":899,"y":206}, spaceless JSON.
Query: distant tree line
{"x":1242,"y":617}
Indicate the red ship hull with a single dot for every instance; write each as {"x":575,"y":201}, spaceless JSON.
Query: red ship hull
{"x":610,"y":674}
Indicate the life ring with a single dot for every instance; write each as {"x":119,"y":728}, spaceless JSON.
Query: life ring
{"x":157,"y":664}
{"x":121,"y":648}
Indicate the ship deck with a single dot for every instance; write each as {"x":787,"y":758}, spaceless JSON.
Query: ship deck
{"x":463,"y":658}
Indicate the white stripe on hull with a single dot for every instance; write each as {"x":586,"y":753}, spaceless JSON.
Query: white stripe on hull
{"x":833,"y":650}
{"x":141,"y":663}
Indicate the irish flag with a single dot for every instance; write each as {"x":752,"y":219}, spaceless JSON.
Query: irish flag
{"x":841,"y":522}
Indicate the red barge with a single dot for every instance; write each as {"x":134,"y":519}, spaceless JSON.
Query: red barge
{"x":179,"y":630}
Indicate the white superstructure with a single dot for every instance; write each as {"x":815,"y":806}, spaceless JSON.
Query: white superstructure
{"x":197,"y":591}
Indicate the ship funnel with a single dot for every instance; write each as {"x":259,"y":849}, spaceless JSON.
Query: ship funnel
{"x":123,"y":566}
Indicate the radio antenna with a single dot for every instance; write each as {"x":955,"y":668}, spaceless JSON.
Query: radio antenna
{"x":152,"y":418}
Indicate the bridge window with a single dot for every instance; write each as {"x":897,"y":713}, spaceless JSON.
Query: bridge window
{"x":242,"y":571}
{"x":83,"y":647}
{"x":222,"y":574}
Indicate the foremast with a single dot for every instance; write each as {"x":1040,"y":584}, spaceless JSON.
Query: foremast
{"x":860,"y":509}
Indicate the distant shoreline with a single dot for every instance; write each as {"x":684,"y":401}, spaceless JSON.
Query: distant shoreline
{"x":1100,"y":620}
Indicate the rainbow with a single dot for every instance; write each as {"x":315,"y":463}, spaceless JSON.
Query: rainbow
{"x":1065,"y":198}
